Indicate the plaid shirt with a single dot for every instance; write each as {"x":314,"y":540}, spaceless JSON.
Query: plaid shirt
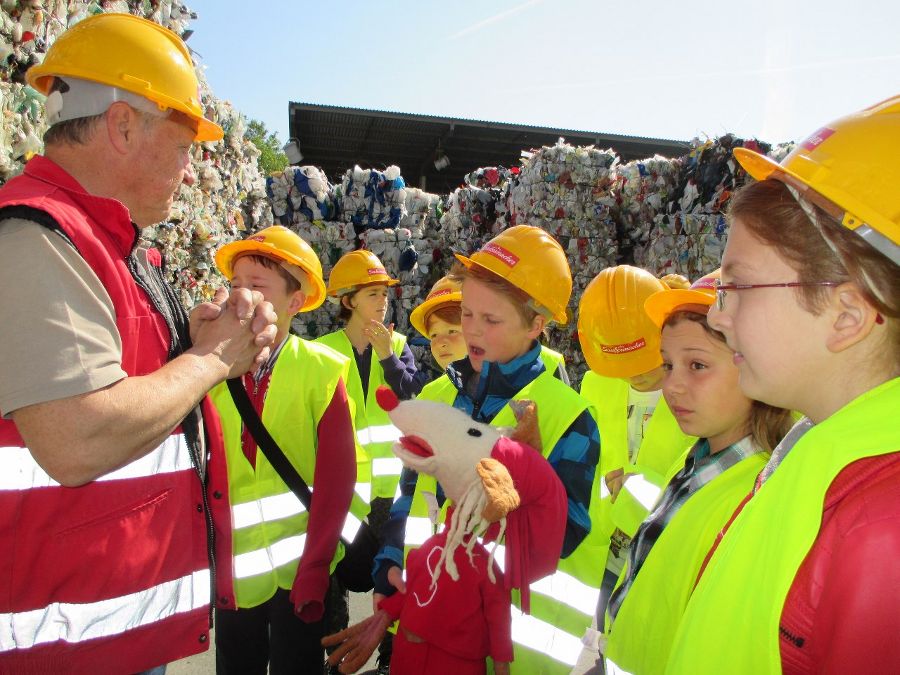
{"x":699,"y":469}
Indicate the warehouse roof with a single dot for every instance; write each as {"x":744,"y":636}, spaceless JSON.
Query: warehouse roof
{"x":335,"y":138}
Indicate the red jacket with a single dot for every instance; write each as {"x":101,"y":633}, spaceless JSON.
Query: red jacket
{"x":114,"y":575}
{"x":842,"y":613}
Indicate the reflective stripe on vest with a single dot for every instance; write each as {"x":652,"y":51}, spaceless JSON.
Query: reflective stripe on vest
{"x":382,"y":433}
{"x":77,"y":622}
{"x":540,"y":636}
{"x":364,"y":490}
{"x":418,"y":530}
{"x":613,"y":669}
{"x":270,"y":558}
{"x":269,"y":508}
{"x":560,"y":586}
{"x":22,"y":472}
{"x":386,"y":466}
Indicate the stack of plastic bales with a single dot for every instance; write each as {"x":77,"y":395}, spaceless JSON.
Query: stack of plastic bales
{"x":643,"y":190}
{"x":372,"y":199}
{"x":690,"y":237}
{"x":566,"y":190}
{"x":301,"y":195}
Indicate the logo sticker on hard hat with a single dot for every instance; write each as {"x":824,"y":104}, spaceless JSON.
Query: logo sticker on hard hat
{"x":816,"y":139}
{"x":624,"y":349}
{"x":500,"y":253}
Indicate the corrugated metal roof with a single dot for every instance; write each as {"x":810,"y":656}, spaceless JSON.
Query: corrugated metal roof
{"x":336,"y":137}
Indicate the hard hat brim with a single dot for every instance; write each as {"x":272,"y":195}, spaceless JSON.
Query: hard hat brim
{"x":661,"y":305}
{"x":419,"y":316}
{"x":226,"y":256}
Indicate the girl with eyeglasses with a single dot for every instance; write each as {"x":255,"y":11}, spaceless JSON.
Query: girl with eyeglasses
{"x":806,"y":578}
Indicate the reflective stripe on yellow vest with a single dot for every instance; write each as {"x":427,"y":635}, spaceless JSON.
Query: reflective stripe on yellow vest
{"x":268,"y":521}
{"x":645,"y":625}
{"x":663,"y":443}
{"x":374,"y":431}
{"x":563,"y":604}
{"x":722,"y":630}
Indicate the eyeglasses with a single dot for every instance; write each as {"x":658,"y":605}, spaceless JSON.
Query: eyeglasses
{"x":722,"y":289}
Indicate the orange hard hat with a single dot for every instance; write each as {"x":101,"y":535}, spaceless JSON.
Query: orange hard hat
{"x":699,"y":297}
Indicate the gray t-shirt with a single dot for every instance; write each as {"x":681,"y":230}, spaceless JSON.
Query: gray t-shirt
{"x":58,"y":335}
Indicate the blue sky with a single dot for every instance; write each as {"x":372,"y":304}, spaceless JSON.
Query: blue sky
{"x":772,"y":69}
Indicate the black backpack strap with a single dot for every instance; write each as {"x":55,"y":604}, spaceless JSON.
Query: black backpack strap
{"x":267,"y":444}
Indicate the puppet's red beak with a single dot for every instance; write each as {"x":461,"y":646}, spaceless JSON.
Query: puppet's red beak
{"x":416,"y":446}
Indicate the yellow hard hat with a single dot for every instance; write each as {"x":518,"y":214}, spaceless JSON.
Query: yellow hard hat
{"x":850,"y":169}
{"x":699,"y":297}
{"x":357,"y":269}
{"x":616,"y":335}
{"x":285,"y":246}
{"x":533,"y":261}
{"x":446,"y":291}
{"x":131,"y":53}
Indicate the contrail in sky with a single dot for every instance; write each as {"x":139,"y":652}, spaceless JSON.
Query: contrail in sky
{"x":494,"y":19}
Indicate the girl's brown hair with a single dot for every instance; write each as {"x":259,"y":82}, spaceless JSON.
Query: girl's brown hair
{"x":767,"y":424}
{"x":826,"y":251}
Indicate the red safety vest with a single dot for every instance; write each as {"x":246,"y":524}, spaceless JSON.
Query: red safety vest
{"x":111,"y":576}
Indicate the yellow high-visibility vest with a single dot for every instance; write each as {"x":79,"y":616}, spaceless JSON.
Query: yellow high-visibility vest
{"x":374,"y":431}
{"x":732,"y":619}
{"x":268,"y":520}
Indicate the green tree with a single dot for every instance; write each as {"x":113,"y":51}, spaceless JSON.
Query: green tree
{"x":271,"y":158}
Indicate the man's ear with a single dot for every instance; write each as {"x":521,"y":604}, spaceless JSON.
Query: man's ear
{"x":122,"y":123}
{"x":853,"y":317}
{"x":347,"y":301}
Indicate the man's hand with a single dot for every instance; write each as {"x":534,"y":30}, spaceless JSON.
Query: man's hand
{"x":241,"y":333}
{"x":379,"y":336}
{"x":207,"y":311}
{"x":395,"y":579}
{"x":356,"y":643}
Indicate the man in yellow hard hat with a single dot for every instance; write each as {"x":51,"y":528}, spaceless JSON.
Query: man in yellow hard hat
{"x":104,"y":521}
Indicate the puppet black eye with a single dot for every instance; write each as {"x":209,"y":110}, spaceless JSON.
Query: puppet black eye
{"x":475,"y":432}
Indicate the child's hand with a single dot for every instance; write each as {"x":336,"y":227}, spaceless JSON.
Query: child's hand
{"x":356,"y":643}
{"x":501,"y":668}
{"x":395,"y":579}
{"x":614,"y":481}
{"x":379,"y":336}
